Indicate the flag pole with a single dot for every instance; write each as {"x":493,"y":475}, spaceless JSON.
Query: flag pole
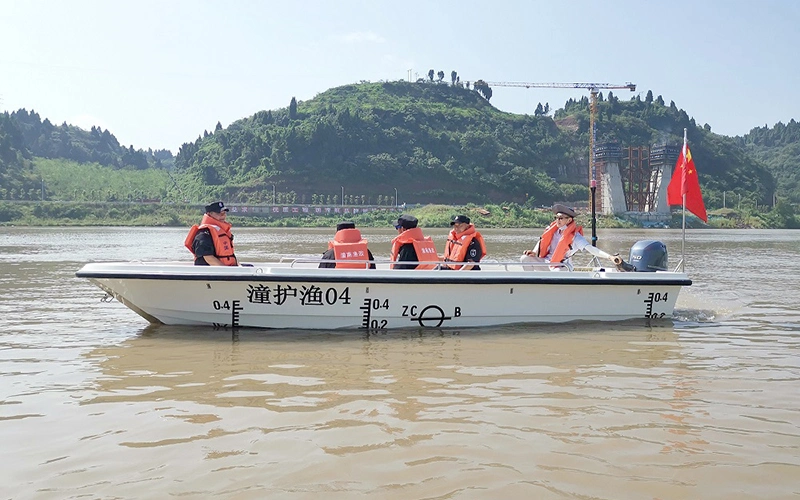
{"x":683,"y":212}
{"x":593,"y":168}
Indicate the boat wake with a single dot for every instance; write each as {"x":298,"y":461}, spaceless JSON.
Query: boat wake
{"x":695,"y":315}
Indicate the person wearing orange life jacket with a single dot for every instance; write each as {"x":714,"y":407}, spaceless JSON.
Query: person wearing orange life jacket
{"x":348,"y":249}
{"x":211,"y":241}
{"x":410,"y":245}
{"x":464,"y":245}
{"x":561,"y":239}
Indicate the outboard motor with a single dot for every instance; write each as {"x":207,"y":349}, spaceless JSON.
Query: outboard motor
{"x":648,"y":256}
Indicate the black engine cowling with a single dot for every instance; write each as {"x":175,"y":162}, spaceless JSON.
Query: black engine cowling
{"x":648,"y":256}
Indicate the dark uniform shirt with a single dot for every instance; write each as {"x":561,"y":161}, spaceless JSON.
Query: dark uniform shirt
{"x":406,"y":254}
{"x":202,"y":245}
{"x":474,"y":253}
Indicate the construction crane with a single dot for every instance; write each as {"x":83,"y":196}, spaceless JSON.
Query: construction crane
{"x":593,"y":88}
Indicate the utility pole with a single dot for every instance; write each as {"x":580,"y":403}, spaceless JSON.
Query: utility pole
{"x":592,"y":166}
{"x":342,"y":195}
{"x":395,"y":198}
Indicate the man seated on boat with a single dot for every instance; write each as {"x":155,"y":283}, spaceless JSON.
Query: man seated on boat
{"x":410,"y":245}
{"x":560,"y":241}
{"x":464,"y":247}
{"x":211,"y":241}
{"x":348,"y":249}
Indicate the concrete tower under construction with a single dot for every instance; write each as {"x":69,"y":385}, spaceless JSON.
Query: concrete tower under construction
{"x":633,"y":180}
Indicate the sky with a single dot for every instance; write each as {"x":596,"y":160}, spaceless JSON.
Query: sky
{"x":157,"y":74}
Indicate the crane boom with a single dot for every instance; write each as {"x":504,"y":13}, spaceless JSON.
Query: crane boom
{"x":590,"y":86}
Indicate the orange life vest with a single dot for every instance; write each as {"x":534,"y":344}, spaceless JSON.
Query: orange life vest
{"x":455,"y":249}
{"x":347,"y":244}
{"x":221,"y":236}
{"x":423,"y":246}
{"x":564,"y":244}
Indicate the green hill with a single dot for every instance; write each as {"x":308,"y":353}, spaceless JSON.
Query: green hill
{"x":779,"y":149}
{"x":45,"y":140}
{"x":435,"y":143}
{"x":432,"y":142}
{"x":444,"y":144}
{"x":67,"y":163}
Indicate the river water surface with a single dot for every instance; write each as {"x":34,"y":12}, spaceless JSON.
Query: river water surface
{"x":95,"y":403}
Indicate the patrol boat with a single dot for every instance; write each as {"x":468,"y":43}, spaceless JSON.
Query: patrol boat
{"x":295,"y":293}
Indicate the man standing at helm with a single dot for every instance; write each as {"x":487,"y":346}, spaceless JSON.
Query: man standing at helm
{"x":561,"y":239}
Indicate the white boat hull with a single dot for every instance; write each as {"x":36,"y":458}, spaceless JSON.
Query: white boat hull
{"x":282,"y":295}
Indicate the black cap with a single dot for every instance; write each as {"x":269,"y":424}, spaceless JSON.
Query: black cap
{"x":406,"y":222}
{"x":345,"y":224}
{"x":459,"y":219}
{"x":561,"y":209}
{"x":217,"y":207}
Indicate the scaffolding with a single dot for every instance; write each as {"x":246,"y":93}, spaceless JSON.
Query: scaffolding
{"x":639,"y":190}
{"x":630,"y":178}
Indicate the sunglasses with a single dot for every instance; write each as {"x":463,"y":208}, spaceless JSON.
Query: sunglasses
{"x":397,"y":226}
{"x":562,"y":218}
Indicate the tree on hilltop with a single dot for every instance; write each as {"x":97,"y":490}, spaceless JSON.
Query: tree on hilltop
{"x":483,"y":89}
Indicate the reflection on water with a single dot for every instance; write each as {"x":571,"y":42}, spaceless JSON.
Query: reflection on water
{"x":324,"y":369}
{"x":94,"y":403}
{"x":454,"y":409}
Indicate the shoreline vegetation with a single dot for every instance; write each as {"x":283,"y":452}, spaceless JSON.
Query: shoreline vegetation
{"x":446,"y":148}
{"x":507,"y":215}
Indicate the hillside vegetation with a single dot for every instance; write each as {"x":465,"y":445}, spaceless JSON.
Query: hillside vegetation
{"x":428,"y":142}
{"x":75,"y":164}
{"x":779,"y":149}
{"x":447,"y":144}
{"x":436,"y":143}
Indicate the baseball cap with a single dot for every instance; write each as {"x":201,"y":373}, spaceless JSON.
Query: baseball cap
{"x":217,"y":207}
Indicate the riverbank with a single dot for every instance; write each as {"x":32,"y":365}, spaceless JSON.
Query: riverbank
{"x":53,"y":213}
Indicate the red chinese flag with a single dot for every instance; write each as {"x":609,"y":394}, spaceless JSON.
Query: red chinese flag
{"x":685,"y":182}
